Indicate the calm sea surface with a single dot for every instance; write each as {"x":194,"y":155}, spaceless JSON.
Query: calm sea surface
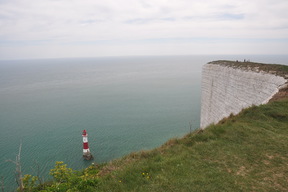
{"x":126,"y":104}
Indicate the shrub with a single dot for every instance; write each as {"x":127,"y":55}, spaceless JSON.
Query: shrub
{"x":61,"y":173}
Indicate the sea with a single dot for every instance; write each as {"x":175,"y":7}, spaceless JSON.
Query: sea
{"x":125,"y":104}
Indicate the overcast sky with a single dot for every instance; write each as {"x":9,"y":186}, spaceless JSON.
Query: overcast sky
{"x":92,"y":28}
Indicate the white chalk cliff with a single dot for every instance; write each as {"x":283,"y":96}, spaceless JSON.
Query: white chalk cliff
{"x":227,"y":89}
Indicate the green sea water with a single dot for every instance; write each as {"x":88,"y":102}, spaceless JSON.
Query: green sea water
{"x":126,"y":104}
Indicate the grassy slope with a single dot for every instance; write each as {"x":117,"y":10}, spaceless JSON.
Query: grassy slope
{"x":280,"y":70}
{"x":247,"y":152}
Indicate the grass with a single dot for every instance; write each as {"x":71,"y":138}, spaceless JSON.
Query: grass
{"x":247,"y":152}
{"x":280,"y":70}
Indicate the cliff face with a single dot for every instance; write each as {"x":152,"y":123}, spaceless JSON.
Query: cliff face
{"x":228,"y":89}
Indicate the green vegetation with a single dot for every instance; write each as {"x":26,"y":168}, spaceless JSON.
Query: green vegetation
{"x":280,"y":70}
{"x":247,"y":152}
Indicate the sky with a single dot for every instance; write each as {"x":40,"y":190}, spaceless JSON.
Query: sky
{"x":94,"y":28}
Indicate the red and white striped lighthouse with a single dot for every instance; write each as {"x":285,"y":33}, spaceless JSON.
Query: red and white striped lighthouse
{"x":86,"y":151}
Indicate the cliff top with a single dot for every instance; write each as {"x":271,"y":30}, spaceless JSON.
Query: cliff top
{"x":279,"y":70}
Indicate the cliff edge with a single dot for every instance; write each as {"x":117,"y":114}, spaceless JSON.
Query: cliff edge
{"x":228,"y":87}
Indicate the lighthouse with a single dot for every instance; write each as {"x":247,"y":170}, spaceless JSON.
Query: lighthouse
{"x":86,"y":151}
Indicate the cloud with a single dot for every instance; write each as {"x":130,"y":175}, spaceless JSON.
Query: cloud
{"x":52,"y":23}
